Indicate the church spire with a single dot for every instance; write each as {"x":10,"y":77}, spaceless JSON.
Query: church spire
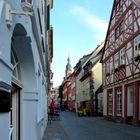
{"x":68,"y":68}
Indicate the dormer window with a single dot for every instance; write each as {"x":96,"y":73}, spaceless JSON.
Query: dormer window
{"x":27,"y":5}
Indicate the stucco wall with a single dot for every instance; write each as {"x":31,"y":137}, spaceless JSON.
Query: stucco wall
{"x":97,"y":74}
{"x":29,"y":57}
{"x":4,"y":126}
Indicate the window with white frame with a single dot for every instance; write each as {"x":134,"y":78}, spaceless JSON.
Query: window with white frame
{"x":122,"y":56}
{"x":137,"y":45}
{"x":116,"y":60}
{"x":110,"y":102}
{"x":107,"y":68}
{"x":119,"y":102}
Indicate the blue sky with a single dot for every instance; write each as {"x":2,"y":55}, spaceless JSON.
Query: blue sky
{"x":79,"y":26}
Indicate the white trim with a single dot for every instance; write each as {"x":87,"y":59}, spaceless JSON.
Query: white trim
{"x":17,"y":82}
{"x":10,"y":132}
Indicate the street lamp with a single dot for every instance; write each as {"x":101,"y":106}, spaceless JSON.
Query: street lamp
{"x":137,"y":2}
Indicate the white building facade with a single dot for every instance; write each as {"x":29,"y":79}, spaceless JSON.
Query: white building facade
{"x":23,"y":65}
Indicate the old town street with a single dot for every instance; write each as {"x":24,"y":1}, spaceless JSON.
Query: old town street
{"x":72,"y":127}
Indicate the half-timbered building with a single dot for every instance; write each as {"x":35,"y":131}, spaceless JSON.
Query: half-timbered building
{"x":121,"y":63}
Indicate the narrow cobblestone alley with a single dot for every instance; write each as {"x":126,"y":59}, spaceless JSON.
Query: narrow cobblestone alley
{"x":72,"y":127}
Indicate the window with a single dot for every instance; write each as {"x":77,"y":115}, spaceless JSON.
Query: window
{"x":119,"y":30}
{"x":119,"y":5}
{"x":4,"y":101}
{"x":137,"y":45}
{"x":27,"y":5}
{"x":107,"y":69}
{"x":15,"y":63}
{"x":39,"y":17}
{"x":110,"y":102}
{"x":119,"y":102}
{"x":122,"y":56}
{"x":116,"y":60}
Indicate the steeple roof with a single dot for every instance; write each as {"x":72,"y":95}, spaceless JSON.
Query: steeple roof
{"x":68,"y":66}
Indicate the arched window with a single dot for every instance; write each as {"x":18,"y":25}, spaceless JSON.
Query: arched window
{"x":15,"y":63}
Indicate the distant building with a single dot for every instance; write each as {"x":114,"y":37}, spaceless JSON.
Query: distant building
{"x":121,"y":64}
{"x":89,"y":81}
{"x":54,"y":94}
{"x":66,"y":83}
{"x":78,"y":84}
{"x":72,"y":93}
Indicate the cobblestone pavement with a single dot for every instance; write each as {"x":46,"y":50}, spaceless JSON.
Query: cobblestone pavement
{"x":72,"y":127}
{"x":55,"y":131}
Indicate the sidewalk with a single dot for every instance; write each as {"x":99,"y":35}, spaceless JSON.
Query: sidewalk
{"x":55,"y":131}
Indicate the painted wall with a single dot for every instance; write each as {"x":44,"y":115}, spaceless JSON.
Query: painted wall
{"x":97,"y":74}
{"x":32,"y":95}
{"x":4,"y":126}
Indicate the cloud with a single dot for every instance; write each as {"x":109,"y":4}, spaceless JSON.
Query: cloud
{"x":90,"y":20}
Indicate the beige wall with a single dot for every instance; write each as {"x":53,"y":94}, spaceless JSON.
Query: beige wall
{"x":97,"y":75}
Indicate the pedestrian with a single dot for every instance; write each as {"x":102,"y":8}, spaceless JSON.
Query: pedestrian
{"x":52,"y":108}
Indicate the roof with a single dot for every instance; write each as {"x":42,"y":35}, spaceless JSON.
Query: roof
{"x":108,"y":30}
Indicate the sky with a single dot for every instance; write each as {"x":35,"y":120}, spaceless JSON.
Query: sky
{"x":78,"y":27}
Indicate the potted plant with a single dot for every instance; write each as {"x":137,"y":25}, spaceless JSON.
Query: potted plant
{"x":137,"y":58}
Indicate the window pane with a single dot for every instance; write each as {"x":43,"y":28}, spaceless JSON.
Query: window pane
{"x":4,"y":101}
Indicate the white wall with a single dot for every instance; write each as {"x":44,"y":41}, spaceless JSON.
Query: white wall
{"x":130,"y":101}
{"x":29,"y":92}
{"x":97,"y":74}
{"x":4,"y":126}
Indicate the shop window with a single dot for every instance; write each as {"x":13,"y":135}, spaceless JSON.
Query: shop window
{"x":110,"y":102}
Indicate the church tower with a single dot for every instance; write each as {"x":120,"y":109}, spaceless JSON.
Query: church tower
{"x":68,"y":68}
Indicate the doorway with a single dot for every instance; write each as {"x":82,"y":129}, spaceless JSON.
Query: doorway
{"x":130,"y":103}
{"x":15,"y":113}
